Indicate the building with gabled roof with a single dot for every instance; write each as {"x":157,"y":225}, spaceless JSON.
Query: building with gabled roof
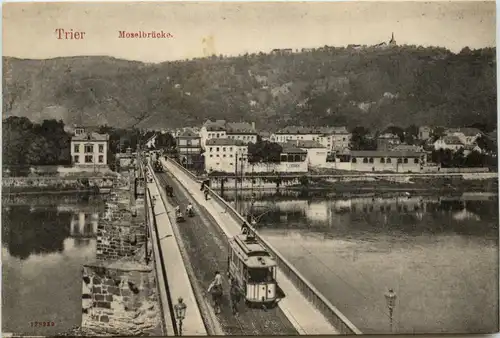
{"x":467,"y":136}
{"x":243,"y":131}
{"x":225,"y":155}
{"x":89,"y":149}
{"x":452,"y":143}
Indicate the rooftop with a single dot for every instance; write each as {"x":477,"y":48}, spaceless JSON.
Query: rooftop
{"x":385,"y":153}
{"x":217,"y":125}
{"x":90,"y":136}
{"x":465,"y":131}
{"x":240,"y":127}
{"x":451,"y":140}
{"x":225,"y":142}
{"x":407,"y":147}
{"x":306,"y":144}
{"x":298,"y":130}
{"x":388,"y":136}
{"x":188,"y":133}
{"x":289,"y":148}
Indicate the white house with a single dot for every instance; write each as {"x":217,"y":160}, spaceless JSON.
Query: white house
{"x":335,"y":138}
{"x":293,"y":133}
{"x":242,"y":131}
{"x":316,"y":153}
{"x":224,"y":154}
{"x":468,"y":136}
{"x":212,"y":130}
{"x":452,"y":143}
{"x":89,"y":149}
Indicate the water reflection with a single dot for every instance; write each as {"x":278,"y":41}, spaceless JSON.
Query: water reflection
{"x":45,"y":242}
{"x":439,"y":253}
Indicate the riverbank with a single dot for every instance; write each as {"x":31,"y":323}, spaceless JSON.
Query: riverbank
{"x":414,"y":184}
{"x":56,"y":184}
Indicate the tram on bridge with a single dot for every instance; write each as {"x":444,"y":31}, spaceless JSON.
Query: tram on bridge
{"x":253,"y":267}
{"x":158,"y":168}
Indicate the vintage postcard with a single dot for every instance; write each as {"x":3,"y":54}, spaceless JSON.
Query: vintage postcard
{"x":238,"y":168}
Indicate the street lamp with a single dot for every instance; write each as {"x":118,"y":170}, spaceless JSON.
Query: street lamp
{"x":180,"y":313}
{"x":390,"y":298}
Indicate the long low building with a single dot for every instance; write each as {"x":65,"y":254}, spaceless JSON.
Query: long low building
{"x":379,"y":160}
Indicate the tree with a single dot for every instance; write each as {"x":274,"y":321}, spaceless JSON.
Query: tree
{"x":264,"y":151}
{"x":411,"y":134}
{"x":396,"y":131}
{"x":360,"y":140}
{"x":486,"y":144}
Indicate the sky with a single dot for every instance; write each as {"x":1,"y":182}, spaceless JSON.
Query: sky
{"x":202,"y":29}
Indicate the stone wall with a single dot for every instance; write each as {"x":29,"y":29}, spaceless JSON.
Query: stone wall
{"x":15,"y":184}
{"x":120,"y":299}
{"x":122,"y":231}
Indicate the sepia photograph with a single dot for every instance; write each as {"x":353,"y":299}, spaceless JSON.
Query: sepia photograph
{"x":249,"y":168}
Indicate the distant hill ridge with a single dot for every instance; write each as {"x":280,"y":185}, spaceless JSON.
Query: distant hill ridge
{"x":370,"y":86}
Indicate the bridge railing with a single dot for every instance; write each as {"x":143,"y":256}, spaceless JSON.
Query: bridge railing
{"x":334,"y":316}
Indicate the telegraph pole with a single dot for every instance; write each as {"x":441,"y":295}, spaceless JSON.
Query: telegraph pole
{"x":236,"y":184}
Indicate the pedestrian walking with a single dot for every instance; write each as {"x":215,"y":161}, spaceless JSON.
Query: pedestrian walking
{"x":215,"y":289}
{"x":235,"y":296}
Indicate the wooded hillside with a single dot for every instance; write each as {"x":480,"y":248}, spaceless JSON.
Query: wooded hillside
{"x":370,"y":87}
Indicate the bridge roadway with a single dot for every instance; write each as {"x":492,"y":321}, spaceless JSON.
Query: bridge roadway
{"x":206,"y":241}
{"x":206,"y":252}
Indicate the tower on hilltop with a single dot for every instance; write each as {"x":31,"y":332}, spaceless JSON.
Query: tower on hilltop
{"x":392,"y":42}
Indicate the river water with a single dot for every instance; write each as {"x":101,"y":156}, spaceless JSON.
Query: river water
{"x":45,"y":242}
{"x":438,"y":253}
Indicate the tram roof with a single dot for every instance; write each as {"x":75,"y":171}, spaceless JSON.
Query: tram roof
{"x":252,"y":252}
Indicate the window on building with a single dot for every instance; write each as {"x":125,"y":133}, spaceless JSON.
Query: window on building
{"x":353,"y":160}
{"x":224,"y":155}
{"x":101,"y":148}
{"x":76,"y":148}
{"x":343,"y":138}
{"x":101,"y":158}
{"x":365,"y":160}
{"x":415,"y":160}
{"x":400,"y":160}
{"x":223,"y":148}
{"x":217,"y":135}
{"x":382,"y":160}
{"x":217,"y":149}
{"x":231,"y":163}
{"x":405,"y":160}
{"x":230,"y":155}
{"x":210,"y":149}
{"x":211,"y":155}
{"x":89,"y":148}
{"x":389,"y":160}
{"x":89,"y":159}
{"x":76,"y":159}
{"x":371,"y":160}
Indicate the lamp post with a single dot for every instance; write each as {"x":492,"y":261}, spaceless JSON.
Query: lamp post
{"x":390,"y":298}
{"x":180,"y":313}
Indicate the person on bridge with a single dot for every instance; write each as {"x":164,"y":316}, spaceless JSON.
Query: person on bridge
{"x":177,"y":209}
{"x":215,"y":289}
{"x":189,"y":208}
{"x":244,"y":228}
{"x":235,"y":294}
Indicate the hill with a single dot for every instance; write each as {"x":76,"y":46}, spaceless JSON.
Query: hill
{"x":370,"y":87}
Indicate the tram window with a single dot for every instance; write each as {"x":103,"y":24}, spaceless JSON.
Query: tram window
{"x":260,"y":275}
